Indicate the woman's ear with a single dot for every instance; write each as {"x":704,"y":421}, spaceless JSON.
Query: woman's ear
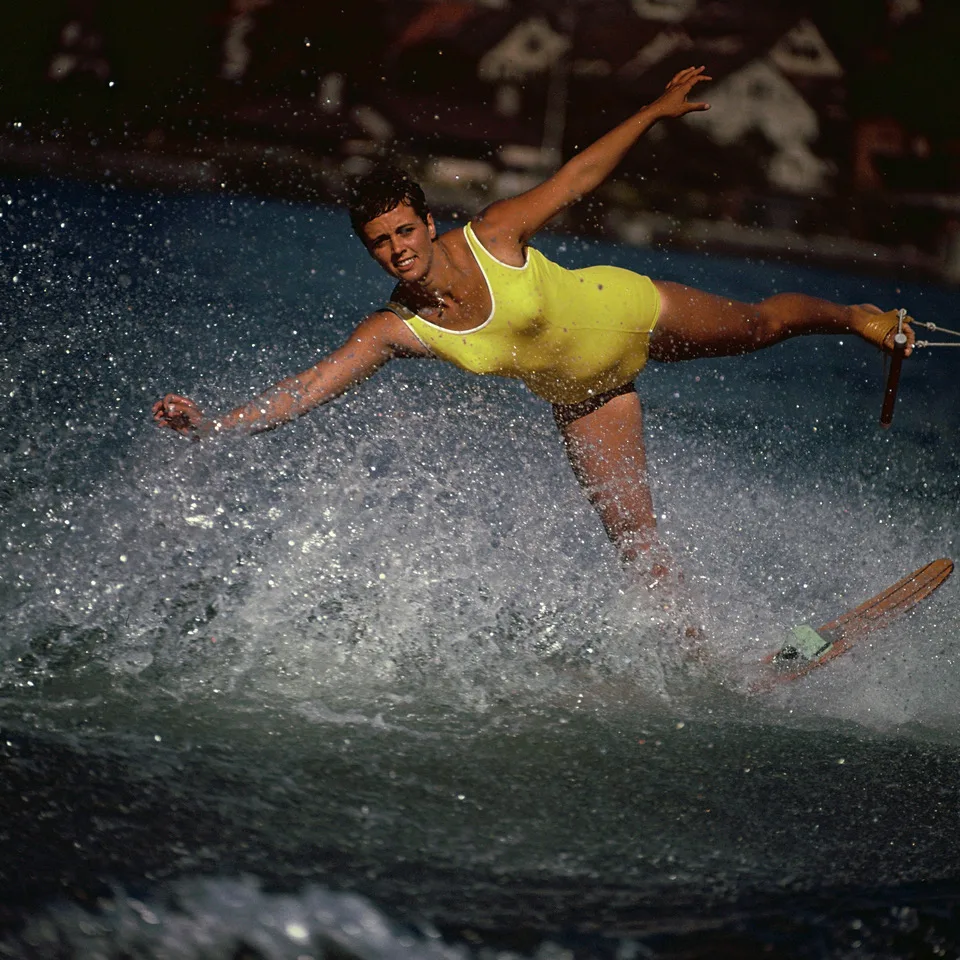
{"x":431,"y":226}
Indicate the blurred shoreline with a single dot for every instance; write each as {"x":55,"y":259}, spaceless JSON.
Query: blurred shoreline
{"x":832,"y":137}
{"x":292,"y":172}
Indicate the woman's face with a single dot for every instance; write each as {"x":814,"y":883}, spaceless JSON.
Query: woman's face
{"x":401,"y":242}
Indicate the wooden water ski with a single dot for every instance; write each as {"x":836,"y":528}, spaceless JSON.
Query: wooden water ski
{"x":809,"y":648}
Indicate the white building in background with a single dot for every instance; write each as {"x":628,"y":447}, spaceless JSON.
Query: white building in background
{"x":759,"y":97}
{"x":530,"y":48}
{"x":666,"y":43}
{"x":900,"y":10}
{"x":802,"y":51}
{"x":80,"y":52}
{"x":669,"y":11}
{"x":236,"y":52}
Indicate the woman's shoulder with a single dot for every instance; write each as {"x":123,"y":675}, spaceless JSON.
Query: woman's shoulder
{"x":389,"y":325}
{"x":495,"y":236}
{"x":455,"y":238}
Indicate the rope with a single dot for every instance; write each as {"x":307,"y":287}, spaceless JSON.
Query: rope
{"x":932,"y":326}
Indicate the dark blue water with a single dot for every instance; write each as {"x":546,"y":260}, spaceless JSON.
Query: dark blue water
{"x":387,"y":650}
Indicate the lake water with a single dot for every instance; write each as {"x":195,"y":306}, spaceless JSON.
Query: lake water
{"x":374,"y":683}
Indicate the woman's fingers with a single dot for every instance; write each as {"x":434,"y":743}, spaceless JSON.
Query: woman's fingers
{"x":688,"y":73}
{"x":680,"y":87}
{"x":174,"y":410}
{"x":911,"y":338}
{"x":691,"y":82}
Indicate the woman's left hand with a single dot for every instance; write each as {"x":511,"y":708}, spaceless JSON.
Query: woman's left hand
{"x":673,"y":101}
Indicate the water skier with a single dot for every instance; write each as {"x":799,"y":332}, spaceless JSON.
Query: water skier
{"x":480,"y":297}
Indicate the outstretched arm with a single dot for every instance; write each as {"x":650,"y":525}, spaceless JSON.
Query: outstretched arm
{"x":512,"y":222}
{"x":380,"y":338}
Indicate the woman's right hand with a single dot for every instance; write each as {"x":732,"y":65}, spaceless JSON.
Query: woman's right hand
{"x":180,"y":414}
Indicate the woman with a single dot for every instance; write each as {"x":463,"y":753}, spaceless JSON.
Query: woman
{"x":481,"y":298}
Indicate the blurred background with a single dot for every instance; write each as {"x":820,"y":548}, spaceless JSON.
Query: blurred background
{"x":389,"y":651}
{"x":833,"y":136}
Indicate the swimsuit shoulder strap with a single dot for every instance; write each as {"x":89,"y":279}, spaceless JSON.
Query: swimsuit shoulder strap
{"x":480,"y":252}
{"x":404,"y":313}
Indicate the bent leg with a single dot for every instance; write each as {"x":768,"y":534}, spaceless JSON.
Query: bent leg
{"x":608,"y":456}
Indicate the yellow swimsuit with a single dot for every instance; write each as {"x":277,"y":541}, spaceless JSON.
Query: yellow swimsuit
{"x":567,"y":334}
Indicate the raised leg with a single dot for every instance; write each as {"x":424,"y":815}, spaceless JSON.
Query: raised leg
{"x":694,"y":324}
{"x":608,"y":456}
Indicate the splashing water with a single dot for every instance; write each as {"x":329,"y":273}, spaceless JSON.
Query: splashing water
{"x":388,"y":648}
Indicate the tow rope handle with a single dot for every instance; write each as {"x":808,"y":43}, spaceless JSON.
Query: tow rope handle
{"x":893,"y":377}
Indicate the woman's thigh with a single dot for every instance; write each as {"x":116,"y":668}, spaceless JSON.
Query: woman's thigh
{"x":606,"y":451}
{"x":693,"y":323}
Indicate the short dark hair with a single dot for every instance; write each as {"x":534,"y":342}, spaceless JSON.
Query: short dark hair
{"x":379,"y":191}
